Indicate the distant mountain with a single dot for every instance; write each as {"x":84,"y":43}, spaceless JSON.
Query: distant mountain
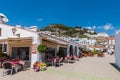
{"x":67,"y":31}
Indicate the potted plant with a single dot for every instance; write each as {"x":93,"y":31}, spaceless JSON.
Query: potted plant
{"x":100,"y":54}
{"x":88,"y":52}
{"x":42,"y":49}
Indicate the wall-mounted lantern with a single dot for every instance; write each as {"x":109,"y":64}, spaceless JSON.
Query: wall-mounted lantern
{"x":14,"y":30}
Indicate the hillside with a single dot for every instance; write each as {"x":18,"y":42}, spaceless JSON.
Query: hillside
{"x":67,"y":31}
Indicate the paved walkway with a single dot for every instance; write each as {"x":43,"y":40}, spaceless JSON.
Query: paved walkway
{"x":89,"y":68}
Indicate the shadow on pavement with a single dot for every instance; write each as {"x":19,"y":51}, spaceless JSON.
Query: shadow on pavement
{"x":115,"y":66}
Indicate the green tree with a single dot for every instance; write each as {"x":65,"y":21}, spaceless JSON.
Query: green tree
{"x":42,"y":48}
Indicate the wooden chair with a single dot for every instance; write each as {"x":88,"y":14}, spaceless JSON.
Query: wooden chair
{"x":76,"y":58}
{"x":67,"y":59}
{"x":58,"y":62}
{"x":7,"y":66}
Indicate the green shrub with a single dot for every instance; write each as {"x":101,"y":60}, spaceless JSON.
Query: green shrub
{"x":42,"y":48}
{"x":95,"y":51}
{"x":88,"y":51}
{"x":4,"y":55}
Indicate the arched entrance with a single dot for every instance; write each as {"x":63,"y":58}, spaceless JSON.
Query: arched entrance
{"x":71,"y":50}
{"x":75,"y":51}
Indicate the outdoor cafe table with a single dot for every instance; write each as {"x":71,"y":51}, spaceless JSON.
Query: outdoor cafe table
{"x":16,"y":65}
{"x":52,"y":61}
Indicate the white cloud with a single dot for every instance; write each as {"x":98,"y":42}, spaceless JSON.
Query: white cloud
{"x":40,"y":19}
{"x":91,"y":27}
{"x":108,"y":26}
{"x":117,"y":31}
{"x":94,"y":27}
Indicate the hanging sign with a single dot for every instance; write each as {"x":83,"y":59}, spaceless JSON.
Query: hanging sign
{"x":34,"y":48}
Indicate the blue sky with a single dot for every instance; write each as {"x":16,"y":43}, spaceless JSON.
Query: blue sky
{"x":100,"y":15}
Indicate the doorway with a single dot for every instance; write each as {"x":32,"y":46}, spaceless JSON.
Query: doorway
{"x":20,"y":52}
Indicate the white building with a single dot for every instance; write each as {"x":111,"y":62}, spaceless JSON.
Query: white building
{"x":85,"y":41}
{"x":102,"y":34}
{"x":110,"y":44}
{"x":46,"y":32}
{"x":91,"y":31}
{"x":117,"y":49}
{"x":99,"y":48}
{"x":18,"y":41}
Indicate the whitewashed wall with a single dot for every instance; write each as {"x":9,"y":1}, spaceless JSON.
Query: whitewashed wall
{"x":6,"y":32}
{"x":117,"y":49}
{"x":74,"y":45}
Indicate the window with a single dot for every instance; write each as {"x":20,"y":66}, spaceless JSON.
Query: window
{"x":0,"y":31}
{"x":5,"y":48}
{"x":0,"y":48}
